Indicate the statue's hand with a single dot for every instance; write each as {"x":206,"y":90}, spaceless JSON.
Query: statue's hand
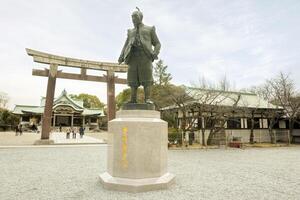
{"x":154,"y":57}
{"x":120,"y":60}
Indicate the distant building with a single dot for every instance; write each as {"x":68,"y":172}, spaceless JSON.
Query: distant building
{"x":239,"y":110}
{"x":67,"y":112}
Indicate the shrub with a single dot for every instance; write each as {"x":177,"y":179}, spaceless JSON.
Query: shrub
{"x":174,"y":135}
{"x":7,"y":120}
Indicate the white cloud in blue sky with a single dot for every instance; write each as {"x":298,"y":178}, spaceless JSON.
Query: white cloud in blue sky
{"x":248,"y":41}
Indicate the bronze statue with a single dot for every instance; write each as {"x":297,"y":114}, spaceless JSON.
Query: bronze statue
{"x":140,"y":50}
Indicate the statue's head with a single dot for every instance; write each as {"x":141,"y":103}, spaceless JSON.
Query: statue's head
{"x":137,"y":17}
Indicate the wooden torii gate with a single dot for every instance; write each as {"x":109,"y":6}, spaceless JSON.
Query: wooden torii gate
{"x":54,"y":61}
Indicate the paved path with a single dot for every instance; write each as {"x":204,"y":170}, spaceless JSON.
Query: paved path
{"x":60,"y":138}
{"x":71,"y":172}
{"x":9,"y":138}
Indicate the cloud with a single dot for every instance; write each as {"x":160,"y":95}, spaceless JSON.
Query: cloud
{"x":248,"y":41}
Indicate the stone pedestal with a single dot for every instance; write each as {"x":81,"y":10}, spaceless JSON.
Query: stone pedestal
{"x":138,"y":106}
{"x":137,"y":152}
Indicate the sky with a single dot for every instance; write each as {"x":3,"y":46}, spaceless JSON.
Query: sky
{"x":248,"y":41}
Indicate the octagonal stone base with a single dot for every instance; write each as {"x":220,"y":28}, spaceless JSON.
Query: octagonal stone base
{"x":137,"y":152}
{"x":136,"y":185}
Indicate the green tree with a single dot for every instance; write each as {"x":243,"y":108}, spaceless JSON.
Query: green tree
{"x":124,"y":97}
{"x":89,"y":101}
{"x":161,"y":77}
{"x":161,"y":95}
{"x":7,"y":119}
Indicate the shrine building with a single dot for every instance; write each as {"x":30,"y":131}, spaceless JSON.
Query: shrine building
{"x":67,"y":112}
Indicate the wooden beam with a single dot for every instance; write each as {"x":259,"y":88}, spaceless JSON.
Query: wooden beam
{"x":60,"y":74}
{"x":47,"y":58}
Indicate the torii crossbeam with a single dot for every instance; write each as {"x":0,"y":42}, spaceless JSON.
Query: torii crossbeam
{"x":54,"y":61}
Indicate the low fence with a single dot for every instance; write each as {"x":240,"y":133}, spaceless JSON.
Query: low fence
{"x":260,"y":136}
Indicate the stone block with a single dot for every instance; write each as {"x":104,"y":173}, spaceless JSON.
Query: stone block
{"x":44,"y":142}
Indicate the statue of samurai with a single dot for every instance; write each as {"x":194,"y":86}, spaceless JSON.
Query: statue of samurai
{"x":140,"y":50}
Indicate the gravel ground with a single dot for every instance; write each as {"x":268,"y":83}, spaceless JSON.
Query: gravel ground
{"x":72,"y":173}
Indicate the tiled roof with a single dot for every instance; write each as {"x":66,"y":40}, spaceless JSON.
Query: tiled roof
{"x":226,"y":98}
{"x":21,"y":109}
{"x":87,"y":111}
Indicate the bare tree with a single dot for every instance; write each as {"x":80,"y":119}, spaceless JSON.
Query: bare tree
{"x":272,"y":114}
{"x":3,"y":99}
{"x":207,"y":103}
{"x":224,"y":109}
{"x":284,"y":94}
{"x":181,"y":99}
{"x":207,"y":108}
{"x":213,"y":105}
{"x":225,"y":84}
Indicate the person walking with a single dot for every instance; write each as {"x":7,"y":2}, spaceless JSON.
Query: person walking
{"x":17,"y":130}
{"x":20,"y":129}
{"x":81,"y":131}
{"x":68,"y":133}
{"x":73,"y":133}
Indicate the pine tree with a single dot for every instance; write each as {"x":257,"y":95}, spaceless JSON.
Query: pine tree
{"x":161,"y":77}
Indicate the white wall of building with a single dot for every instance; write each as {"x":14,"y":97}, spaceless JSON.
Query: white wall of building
{"x":260,"y":135}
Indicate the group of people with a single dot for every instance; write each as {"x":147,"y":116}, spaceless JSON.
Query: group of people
{"x":74,"y":131}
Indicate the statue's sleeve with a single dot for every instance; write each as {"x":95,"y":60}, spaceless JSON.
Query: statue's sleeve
{"x":155,"y":41}
{"x":121,"y":58}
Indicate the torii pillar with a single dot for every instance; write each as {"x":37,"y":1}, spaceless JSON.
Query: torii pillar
{"x":111,"y":105}
{"x":46,"y":123}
